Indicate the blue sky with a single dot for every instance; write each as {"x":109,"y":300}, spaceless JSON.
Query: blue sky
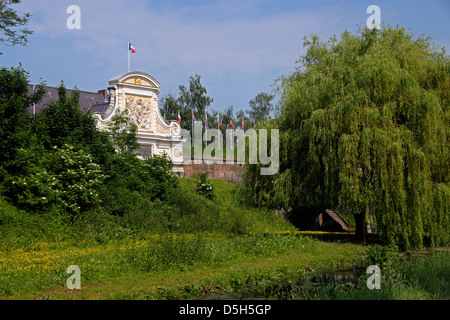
{"x":237,"y":47}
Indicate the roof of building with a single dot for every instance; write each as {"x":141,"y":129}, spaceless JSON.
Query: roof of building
{"x":122,"y":77}
{"x":100,"y":108}
{"x":96,"y":100}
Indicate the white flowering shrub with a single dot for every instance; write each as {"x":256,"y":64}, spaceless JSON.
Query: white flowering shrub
{"x":204,"y":187}
{"x":67,"y":178}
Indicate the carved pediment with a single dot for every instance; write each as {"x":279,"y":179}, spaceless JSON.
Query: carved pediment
{"x":140,"y":111}
{"x":137,"y":92}
{"x":136,"y":79}
{"x":139,"y":81}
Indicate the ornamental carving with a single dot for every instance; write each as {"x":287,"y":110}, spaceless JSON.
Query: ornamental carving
{"x":140,"y":111}
{"x":111,"y":106}
{"x":162,"y":129}
{"x":178,"y":152}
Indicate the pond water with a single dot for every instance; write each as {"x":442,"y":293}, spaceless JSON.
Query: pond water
{"x":347,"y":278}
{"x":432,"y":270}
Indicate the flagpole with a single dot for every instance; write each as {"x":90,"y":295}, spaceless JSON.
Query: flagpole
{"x":129,"y":63}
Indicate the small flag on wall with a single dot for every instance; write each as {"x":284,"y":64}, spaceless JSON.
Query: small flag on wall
{"x":231,"y":124}
{"x":179,"y":117}
{"x":242,"y":124}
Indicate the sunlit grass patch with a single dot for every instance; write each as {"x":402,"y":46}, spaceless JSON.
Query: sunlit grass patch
{"x":43,"y":267}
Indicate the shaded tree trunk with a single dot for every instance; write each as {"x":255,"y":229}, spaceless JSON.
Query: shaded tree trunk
{"x":361,"y":227}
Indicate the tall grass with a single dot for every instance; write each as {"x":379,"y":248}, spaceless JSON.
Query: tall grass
{"x":172,"y":252}
{"x":406,"y":278}
{"x":431,"y":273}
{"x":42,"y":267}
{"x":188,"y":213}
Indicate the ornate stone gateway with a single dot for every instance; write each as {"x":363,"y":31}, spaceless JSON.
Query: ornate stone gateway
{"x":138,"y":92}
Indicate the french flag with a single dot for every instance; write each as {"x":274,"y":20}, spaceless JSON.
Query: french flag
{"x":131,"y":48}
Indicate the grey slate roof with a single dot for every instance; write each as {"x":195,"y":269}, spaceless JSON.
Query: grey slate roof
{"x":100,"y":108}
{"x":96,"y":100}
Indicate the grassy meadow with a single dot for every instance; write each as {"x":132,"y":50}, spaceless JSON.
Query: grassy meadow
{"x":213,"y":246}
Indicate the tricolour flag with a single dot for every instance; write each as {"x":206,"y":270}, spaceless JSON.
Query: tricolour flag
{"x":131,"y":48}
{"x":231,"y":124}
{"x":179,"y":117}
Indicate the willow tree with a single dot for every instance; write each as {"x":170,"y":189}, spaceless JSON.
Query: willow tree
{"x":364,"y":124}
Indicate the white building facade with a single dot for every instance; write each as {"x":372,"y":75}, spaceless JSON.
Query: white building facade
{"x":137,"y":92}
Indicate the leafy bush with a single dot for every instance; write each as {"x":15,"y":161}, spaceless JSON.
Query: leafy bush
{"x":132,"y":181}
{"x":204,"y":187}
{"x":66,"y":178}
{"x":382,"y":256}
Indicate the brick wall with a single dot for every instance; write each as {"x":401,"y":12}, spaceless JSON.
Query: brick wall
{"x":227,"y":172}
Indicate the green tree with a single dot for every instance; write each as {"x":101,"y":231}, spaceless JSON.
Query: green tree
{"x":63,"y":122}
{"x":260,"y":107}
{"x":15,"y":121}
{"x":228,"y":116}
{"x":170,"y":101}
{"x":59,"y":161}
{"x":123,"y":133}
{"x":365,"y":124}
{"x":213,"y":119}
{"x":10,"y":21}
{"x":189,"y":100}
{"x":193,"y":99}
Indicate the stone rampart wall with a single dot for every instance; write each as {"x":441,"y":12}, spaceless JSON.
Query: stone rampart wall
{"x":228,"y":172}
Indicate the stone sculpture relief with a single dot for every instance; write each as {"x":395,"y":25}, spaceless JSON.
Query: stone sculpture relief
{"x":140,"y":111}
